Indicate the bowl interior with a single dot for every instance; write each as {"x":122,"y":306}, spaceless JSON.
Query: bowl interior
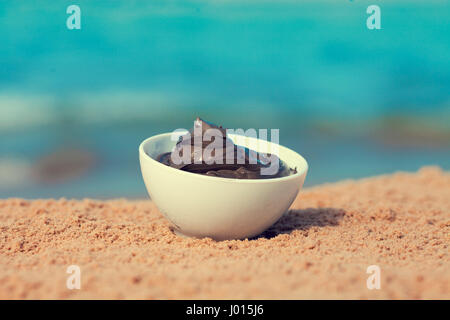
{"x":165,"y":142}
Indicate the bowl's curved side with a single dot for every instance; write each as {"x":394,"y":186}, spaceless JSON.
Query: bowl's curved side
{"x":202,"y":206}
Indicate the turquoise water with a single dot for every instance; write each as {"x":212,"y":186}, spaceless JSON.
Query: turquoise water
{"x":355,"y":102}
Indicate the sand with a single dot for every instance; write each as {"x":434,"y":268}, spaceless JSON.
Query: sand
{"x":320,"y":249}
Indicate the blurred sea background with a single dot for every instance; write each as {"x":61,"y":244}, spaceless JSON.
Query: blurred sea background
{"x":75,"y":104}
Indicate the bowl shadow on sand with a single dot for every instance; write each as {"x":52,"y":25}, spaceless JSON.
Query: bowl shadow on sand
{"x":303,"y":219}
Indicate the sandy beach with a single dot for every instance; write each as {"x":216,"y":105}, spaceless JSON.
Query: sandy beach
{"x":320,"y":249}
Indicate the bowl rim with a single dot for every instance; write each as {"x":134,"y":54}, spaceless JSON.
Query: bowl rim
{"x":300,"y":172}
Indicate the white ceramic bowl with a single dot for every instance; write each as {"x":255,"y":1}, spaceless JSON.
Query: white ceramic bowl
{"x":220,"y":208}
